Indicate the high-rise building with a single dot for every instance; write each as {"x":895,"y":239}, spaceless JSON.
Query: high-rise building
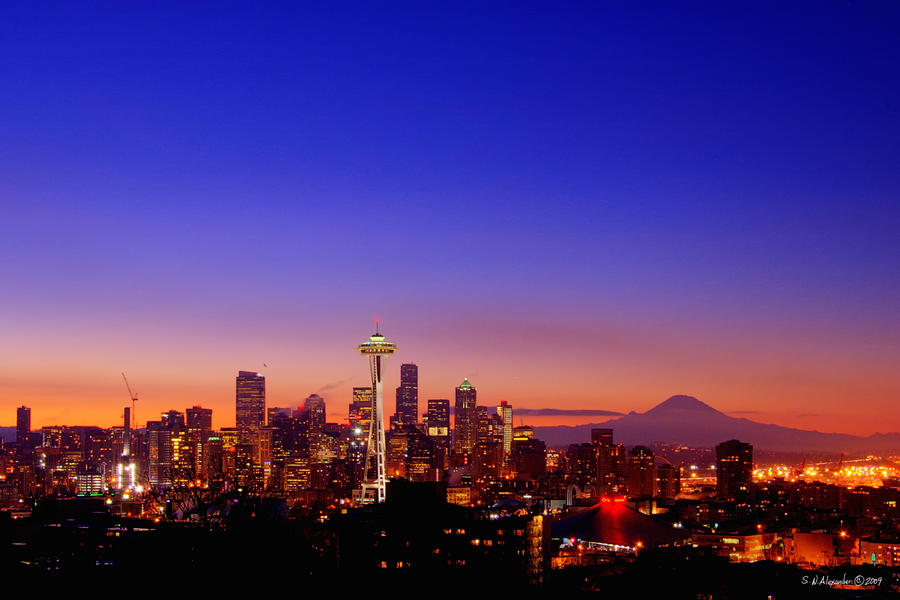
{"x":315,"y":406}
{"x":610,"y":468}
{"x":23,"y":425}
{"x":529,"y":455}
{"x":160,"y":441}
{"x":407,"y":412}
{"x":314,"y":409}
{"x":602,"y":436}
{"x":465,"y":428}
{"x":199,"y":430}
{"x":505,"y":412}
{"x":641,"y":472}
{"x":581,"y":460}
{"x":361,"y":410}
{"x":250,"y":404}
{"x":734,"y":469}
{"x":199,"y":418}
{"x":437,"y":421}
{"x":374,"y":485}
{"x":668,"y":481}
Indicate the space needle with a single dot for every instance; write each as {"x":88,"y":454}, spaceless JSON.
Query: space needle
{"x":373,"y":486}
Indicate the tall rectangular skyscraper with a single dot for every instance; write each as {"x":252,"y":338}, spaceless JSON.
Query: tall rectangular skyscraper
{"x":250,"y":401}
{"x":465,"y":427}
{"x":23,"y":425}
{"x":505,"y":412}
{"x":407,"y":411}
{"x":734,"y":469}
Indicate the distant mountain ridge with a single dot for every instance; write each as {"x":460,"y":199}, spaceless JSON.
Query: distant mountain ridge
{"x":687,"y":420}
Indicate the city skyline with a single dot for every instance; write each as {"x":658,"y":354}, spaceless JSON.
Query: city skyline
{"x":668,"y":200}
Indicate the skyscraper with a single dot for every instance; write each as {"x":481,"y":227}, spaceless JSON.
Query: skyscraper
{"x":734,"y":469}
{"x":505,"y":412}
{"x":314,"y":408}
{"x":199,"y":418}
{"x":361,"y":410}
{"x":250,"y":401}
{"x":374,"y":484}
{"x":407,"y":412}
{"x":641,"y":472}
{"x":438,"y":423}
{"x":465,"y":429}
{"x":23,"y":425}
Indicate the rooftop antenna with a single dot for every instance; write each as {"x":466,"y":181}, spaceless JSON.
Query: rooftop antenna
{"x":377,"y":321}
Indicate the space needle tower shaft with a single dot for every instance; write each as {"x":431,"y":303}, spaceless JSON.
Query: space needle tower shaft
{"x":374,"y":481}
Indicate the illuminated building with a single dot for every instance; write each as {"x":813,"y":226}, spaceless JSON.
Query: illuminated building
{"x":505,"y":412}
{"x":487,"y":462}
{"x":90,"y":481}
{"x":23,"y":426}
{"x":199,"y":429}
{"x":459,"y":495}
{"x":602,"y":436}
{"x":581,"y":460}
{"x":374,"y":487}
{"x":160,"y":441}
{"x":437,"y":422}
{"x":246,"y":475}
{"x":641,"y":471}
{"x":528,"y":454}
{"x":734,"y":469}
{"x":361,"y":409}
{"x":314,"y":405}
{"x":611,"y":468}
{"x":407,"y":410}
{"x":250,"y":404}
{"x":313,"y":415}
{"x":465,"y":429}
{"x":199,"y":418}
{"x":668,"y":481}
{"x":296,"y":474}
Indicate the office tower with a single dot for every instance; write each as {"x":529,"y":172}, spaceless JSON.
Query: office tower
{"x":126,"y":432}
{"x":374,"y":486}
{"x":126,"y":475}
{"x":602,"y":436}
{"x":361,"y":410}
{"x":529,"y":455}
{"x":465,"y":429}
{"x":505,"y":412}
{"x":668,"y":481}
{"x":314,"y":405}
{"x":490,"y":426}
{"x":437,"y":421}
{"x":250,"y":404}
{"x":199,"y":430}
{"x":313,"y":411}
{"x":199,"y":418}
{"x":734,"y":469}
{"x":174,"y":420}
{"x":610,"y":468}
{"x":641,"y":472}
{"x":419,"y":456}
{"x":407,"y":412}
{"x":487,"y":462}
{"x":581,"y":461}
{"x":23,"y":426}
{"x":160,"y":440}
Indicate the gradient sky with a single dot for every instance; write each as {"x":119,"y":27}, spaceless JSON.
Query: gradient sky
{"x":583,"y":206}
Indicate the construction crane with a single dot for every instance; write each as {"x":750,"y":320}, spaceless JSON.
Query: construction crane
{"x":134,"y":399}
